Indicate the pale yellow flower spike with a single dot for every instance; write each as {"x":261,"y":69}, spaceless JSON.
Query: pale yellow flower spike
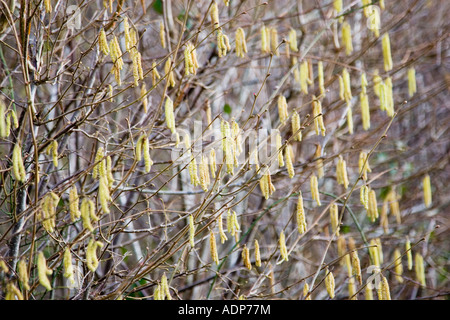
{"x":213,"y":248}
{"x":373,"y":251}
{"x":223,"y":236}
{"x":282,"y":109}
{"x":384,"y":289}
{"x":315,"y":189}
{"x":3,"y":121}
{"x":398,"y":266}
{"x":329,"y":283}
{"x":274,"y":41}
{"x":341,"y":87}
{"x":373,"y":20}
{"x":293,"y":40}
{"x":169,"y":72}
{"x":318,"y":117}
{"x":43,"y":271}
{"x":191,"y":231}
{"x":155,"y":75}
{"x":317,"y":155}
{"x":341,"y":172}
{"x":420,"y":269}
{"x":241,"y":45}
{"x":212,"y":163}
{"x":334,"y":219}
{"x":48,"y":6}
{"x":204,"y":173}
{"x":306,"y":294}
{"x":320,"y":78}
{"x":12,"y":292}
{"x":23,"y":274}
{"x":91,"y":254}
{"x":368,"y":293}
{"x":356,"y":266}
{"x":304,"y":76}
{"x":295,"y":121}
{"x":283,"y":249}
{"x":347,"y":38}
{"x":103,"y":194}
{"x":68,"y":267}
{"x":412,"y":87}
{"x":265,"y":183}
{"x":214,"y":14}
{"x":18,"y":167}
{"x":146,"y":152}
{"x":372,"y":212}
{"x":337,"y":4}
{"x":265,"y":39}
{"x":389,"y":97}
{"x":75,"y":213}
{"x":301,"y":219}
{"x":246,"y":257}
{"x":347,"y":85}
{"x":365,"y":110}
{"x":427,"y":196}
{"x":409,"y":253}
{"x":88,"y":214}
{"x":257,"y":254}
{"x":103,"y":43}
{"x":387,"y":58}
{"x":288,"y":154}
{"x":162,"y":34}
{"x":170,"y":117}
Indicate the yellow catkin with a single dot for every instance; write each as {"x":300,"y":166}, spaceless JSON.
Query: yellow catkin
{"x":363,"y":165}
{"x":373,"y":17}
{"x":341,"y":87}
{"x":12,"y":292}
{"x":398,"y":266}
{"x":241,"y":45}
{"x":204,"y":173}
{"x":412,"y":87}
{"x":103,"y":194}
{"x":212,"y":163}
{"x":52,"y":150}
{"x":193,"y":171}
{"x":389,"y":97}
{"x":246,"y":257}
{"x":278,"y":147}
{"x":352,"y":289}
{"x":318,"y":117}
{"x":306,"y":294}
{"x":126,"y":28}
{"x":48,"y":209}
{"x":372,"y":211}
{"x":68,"y":267}
{"x":347,"y":85}
{"x":274,"y":41}
{"x":304,"y":76}
{"x":223,"y":43}
{"x":341,"y":172}
{"x":419,"y":269}
{"x":409,"y":253}
{"x":223,"y":236}
{"x":237,"y":139}
{"x":170,"y":117}
{"x":257,"y":254}
{"x":288,"y":154}
{"x":75,"y":213}
{"x":282,"y":109}
{"x":334,"y":219}
{"x":337,"y":5}
{"x":91,"y":254}
{"x":320,"y":78}
{"x":190,"y":59}
{"x":23,"y":274}
{"x":191,"y":230}
{"x":48,"y":6}
{"x":102,"y":42}
{"x":165,"y":287}
{"x":43,"y":271}
{"x":384,"y":291}
{"x":300,"y":214}
{"x":365,"y":110}
{"x":341,"y":248}
{"x":315,"y":189}
{"x":99,"y":166}
{"x":214,"y":14}
{"x":373,"y":251}
{"x":329,"y":283}
{"x":213,"y":248}
{"x":426,"y":186}
{"x":169,"y":72}
{"x":319,"y":161}
{"x":265,"y":183}
{"x":347,"y":38}
{"x":364,"y":196}
{"x":265,"y":39}
{"x":293,"y":40}
{"x":387,"y":58}
{"x":227,"y":144}
{"x":356,"y":266}
{"x":109,"y":172}
{"x":88,"y":214}
{"x":283,"y":249}
{"x":162,"y":34}
{"x":368,"y":293}
{"x":18,"y":167}
{"x":146,"y":154}
{"x":155,"y":74}
{"x":295,"y":121}
{"x":4,"y":132}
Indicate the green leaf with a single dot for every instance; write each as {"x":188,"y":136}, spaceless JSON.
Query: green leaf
{"x":227,"y":108}
{"x":158,"y":6}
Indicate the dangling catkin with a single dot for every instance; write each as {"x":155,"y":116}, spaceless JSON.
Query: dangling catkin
{"x":43,"y":271}
{"x":356,"y":266}
{"x":319,"y":161}
{"x":301,"y":219}
{"x":365,"y":110}
{"x":246,"y":257}
{"x":320,"y":78}
{"x":75,"y":213}
{"x":265,"y":183}
{"x":23,"y":274}
{"x":372,"y":212}
{"x":398,"y":265}
{"x":347,"y":85}
{"x":241,"y":45}
{"x":18,"y":167}
{"x":282,"y":109}
{"x":306,"y":294}
{"x":223,"y":236}
{"x":409,"y":253}
{"x":304,"y":76}
{"x":213,"y":248}
{"x":341,"y":172}
{"x":88,"y":214}
{"x":68,"y":267}
{"x":91,"y":254}
{"x":420,"y":269}
{"x":347,"y":38}
{"x":191,"y":230}
{"x":337,"y":4}
{"x":318,"y":117}
{"x":293,"y":40}
{"x":288,"y":154}
{"x":329,"y":283}
{"x":162,"y":34}
{"x":169,"y":72}
{"x":102,"y":42}
{"x":315,"y":189}
{"x":426,"y":185}
{"x":155,"y":74}
{"x":214,"y":14}
{"x":265,"y":39}
{"x":412,"y":87}
{"x":170,"y":117}
{"x":387,"y":58}
{"x":279,"y":150}
{"x":283,"y":249}
{"x":334,"y":218}
{"x":274,"y":41}
{"x":295,"y":121}
{"x":257,"y":254}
